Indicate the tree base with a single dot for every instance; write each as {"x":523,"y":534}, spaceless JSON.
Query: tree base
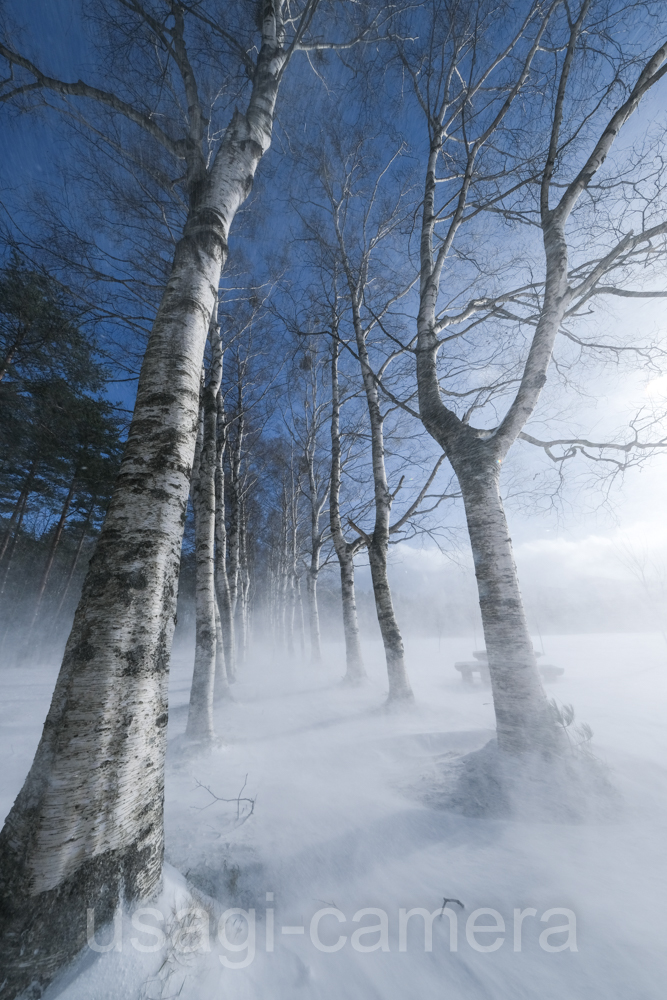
{"x":189,"y":747}
{"x":397,"y":700}
{"x":40,"y":934}
{"x":572,"y":787}
{"x":354,"y":680}
{"x":224,"y":697}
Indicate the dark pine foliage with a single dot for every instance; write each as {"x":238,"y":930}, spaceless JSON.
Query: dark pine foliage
{"x":60,"y":447}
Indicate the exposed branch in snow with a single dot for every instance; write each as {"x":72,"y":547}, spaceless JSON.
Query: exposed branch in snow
{"x":238,"y":799}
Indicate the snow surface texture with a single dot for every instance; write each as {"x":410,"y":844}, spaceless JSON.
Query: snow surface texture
{"x":348,"y":815}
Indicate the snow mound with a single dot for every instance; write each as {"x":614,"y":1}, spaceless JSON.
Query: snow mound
{"x":488,"y":783}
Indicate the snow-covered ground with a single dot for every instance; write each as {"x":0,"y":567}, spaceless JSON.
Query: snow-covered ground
{"x":340,"y":825}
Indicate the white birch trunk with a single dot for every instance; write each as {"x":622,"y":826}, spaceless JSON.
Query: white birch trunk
{"x":314,"y":611}
{"x":280,"y":578}
{"x":523,"y":721}
{"x":288,"y":604}
{"x":316,"y":504}
{"x":221,"y":688}
{"x":523,"y":718}
{"x":292,"y":558}
{"x":314,"y":567}
{"x":378,"y":542}
{"x":87,"y":825}
{"x":234,"y":540}
{"x":221,"y":578}
{"x":243,"y":607}
{"x":354,"y":664}
{"x":200,"y":713}
{"x":300,"y":618}
{"x":355,"y":672}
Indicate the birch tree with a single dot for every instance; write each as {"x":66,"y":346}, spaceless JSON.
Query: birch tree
{"x":520,"y":125}
{"x":240,"y":481}
{"x":222,"y":588}
{"x":209,"y":652}
{"x":361,"y":223}
{"x":285,"y":554}
{"x":87,"y":825}
{"x":293,"y":608}
{"x":306,"y":423}
{"x":345,"y":550}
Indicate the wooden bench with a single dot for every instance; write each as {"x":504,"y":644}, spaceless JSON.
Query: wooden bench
{"x":467,"y":668}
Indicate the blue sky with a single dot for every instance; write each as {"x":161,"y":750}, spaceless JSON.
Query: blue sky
{"x":55,"y":36}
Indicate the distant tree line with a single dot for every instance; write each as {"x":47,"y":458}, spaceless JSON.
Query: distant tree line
{"x":60,"y":447}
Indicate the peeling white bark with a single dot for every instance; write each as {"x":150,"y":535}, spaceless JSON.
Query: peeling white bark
{"x":243,"y":606}
{"x":378,"y":542}
{"x":200,"y":713}
{"x":234,"y":540}
{"x":354,"y":672}
{"x":523,"y":718}
{"x":221,"y":579}
{"x":221,"y":688}
{"x":87,"y":824}
{"x":316,"y":495}
{"x":313,"y":610}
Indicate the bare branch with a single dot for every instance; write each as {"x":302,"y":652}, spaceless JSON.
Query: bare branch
{"x":81,"y":89}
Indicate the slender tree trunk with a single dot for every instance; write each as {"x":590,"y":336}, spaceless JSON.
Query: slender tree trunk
{"x":221,"y":688}
{"x":288,"y":605}
{"x":17,"y":513}
{"x":354,"y":672}
{"x":316,"y":503}
{"x":301,"y":618}
{"x":378,"y":542}
{"x":75,"y":561}
{"x":53,"y":548}
{"x":274,"y":629}
{"x":292,"y":557}
{"x":243,"y":606}
{"x":234,"y":540}
{"x":12,"y":548}
{"x":280,"y":584}
{"x":200,"y":714}
{"x":399,"y":685}
{"x":313,"y":609}
{"x":285,"y":596}
{"x":221,"y":578}
{"x":87,"y":826}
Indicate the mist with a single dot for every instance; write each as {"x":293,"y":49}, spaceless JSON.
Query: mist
{"x":334,"y":805}
{"x":316,"y":804}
